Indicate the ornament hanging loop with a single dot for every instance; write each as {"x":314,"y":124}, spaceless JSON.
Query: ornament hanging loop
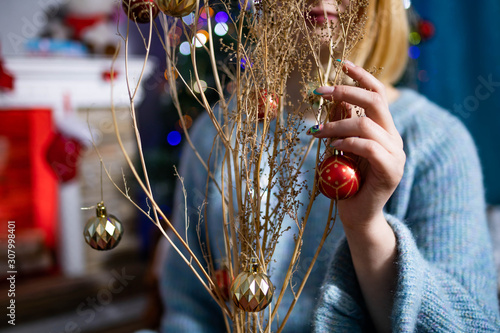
{"x":254,"y":266}
{"x":101,"y":210}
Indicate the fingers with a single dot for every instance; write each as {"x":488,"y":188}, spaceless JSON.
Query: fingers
{"x":371,"y":96}
{"x":374,"y":137}
{"x":381,"y":160}
{"x":376,"y":107}
{"x":340,"y":111}
{"x":365,"y":79}
{"x":358,"y":127}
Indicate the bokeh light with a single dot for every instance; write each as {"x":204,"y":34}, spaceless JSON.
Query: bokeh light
{"x":201,"y":38}
{"x":426,"y":29}
{"x":203,"y":86}
{"x":415,"y":38}
{"x":423,"y":76}
{"x":184,"y":48}
{"x":188,"y":121}
{"x":174,"y":138}
{"x":174,"y":36}
{"x":205,"y":33}
{"x":203,"y":13}
{"x":174,"y":71}
{"x":414,"y":52}
{"x":221,"y":17}
{"x":221,"y":29}
{"x":244,"y":63}
{"x":188,"y":19}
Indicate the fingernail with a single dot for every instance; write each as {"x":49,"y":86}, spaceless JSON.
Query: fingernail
{"x":323,"y":90}
{"x":315,"y":129}
{"x":350,"y":64}
{"x":346,"y":62}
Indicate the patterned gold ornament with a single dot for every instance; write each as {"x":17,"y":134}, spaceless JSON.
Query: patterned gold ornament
{"x":177,"y":8}
{"x":252,"y":291}
{"x":104,"y":231}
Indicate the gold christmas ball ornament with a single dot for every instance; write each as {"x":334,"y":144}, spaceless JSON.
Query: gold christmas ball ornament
{"x":252,"y":291}
{"x":176,"y":8}
{"x":104,"y":231}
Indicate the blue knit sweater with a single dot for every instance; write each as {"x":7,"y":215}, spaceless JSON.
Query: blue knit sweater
{"x":446,"y":276}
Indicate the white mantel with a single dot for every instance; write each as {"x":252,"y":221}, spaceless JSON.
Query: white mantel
{"x":42,"y":81}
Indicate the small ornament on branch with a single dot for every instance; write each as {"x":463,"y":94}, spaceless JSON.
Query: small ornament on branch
{"x":176,"y":8}
{"x":223,"y":282}
{"x":338,"y":176}
{"x":252,"y":291}
{"x":104,"y":231}
{"x":140,"y":10}
{"x":267,"y":103}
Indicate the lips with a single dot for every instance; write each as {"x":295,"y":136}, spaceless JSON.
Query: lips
{"x":317,"y":15}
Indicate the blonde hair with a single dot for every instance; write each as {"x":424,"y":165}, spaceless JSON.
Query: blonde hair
{"x":385,"y":43}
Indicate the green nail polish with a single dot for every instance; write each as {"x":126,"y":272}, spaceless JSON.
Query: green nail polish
{"x":339,"y":60}
{"x":317,"y":93}
{"x":315,"y":129}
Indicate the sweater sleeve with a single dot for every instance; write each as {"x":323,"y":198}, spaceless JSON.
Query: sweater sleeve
{"x":446,"y":278}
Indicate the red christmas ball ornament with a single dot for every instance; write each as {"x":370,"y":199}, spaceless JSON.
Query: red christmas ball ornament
{"x":140,"y":10}
{"x":223,"y":282}
{"x":266,"y":100}
{"x":338,"y":177}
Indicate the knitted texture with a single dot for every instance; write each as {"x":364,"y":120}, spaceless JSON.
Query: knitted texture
{"x":446,"y":276}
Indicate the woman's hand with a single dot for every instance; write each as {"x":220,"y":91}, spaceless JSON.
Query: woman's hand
{"x":374,"y":137}
{"x":371,"y":240}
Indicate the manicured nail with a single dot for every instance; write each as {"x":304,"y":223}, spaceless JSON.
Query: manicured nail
{"x":323,"y":90}
{"x":350,"y":64}
{"x":315,"y":129}
{"x":346,"y":62}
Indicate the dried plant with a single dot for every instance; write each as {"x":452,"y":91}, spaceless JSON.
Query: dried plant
{"x":261,"y":158}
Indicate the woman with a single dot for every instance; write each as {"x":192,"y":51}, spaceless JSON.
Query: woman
{"x":417,"y":256}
